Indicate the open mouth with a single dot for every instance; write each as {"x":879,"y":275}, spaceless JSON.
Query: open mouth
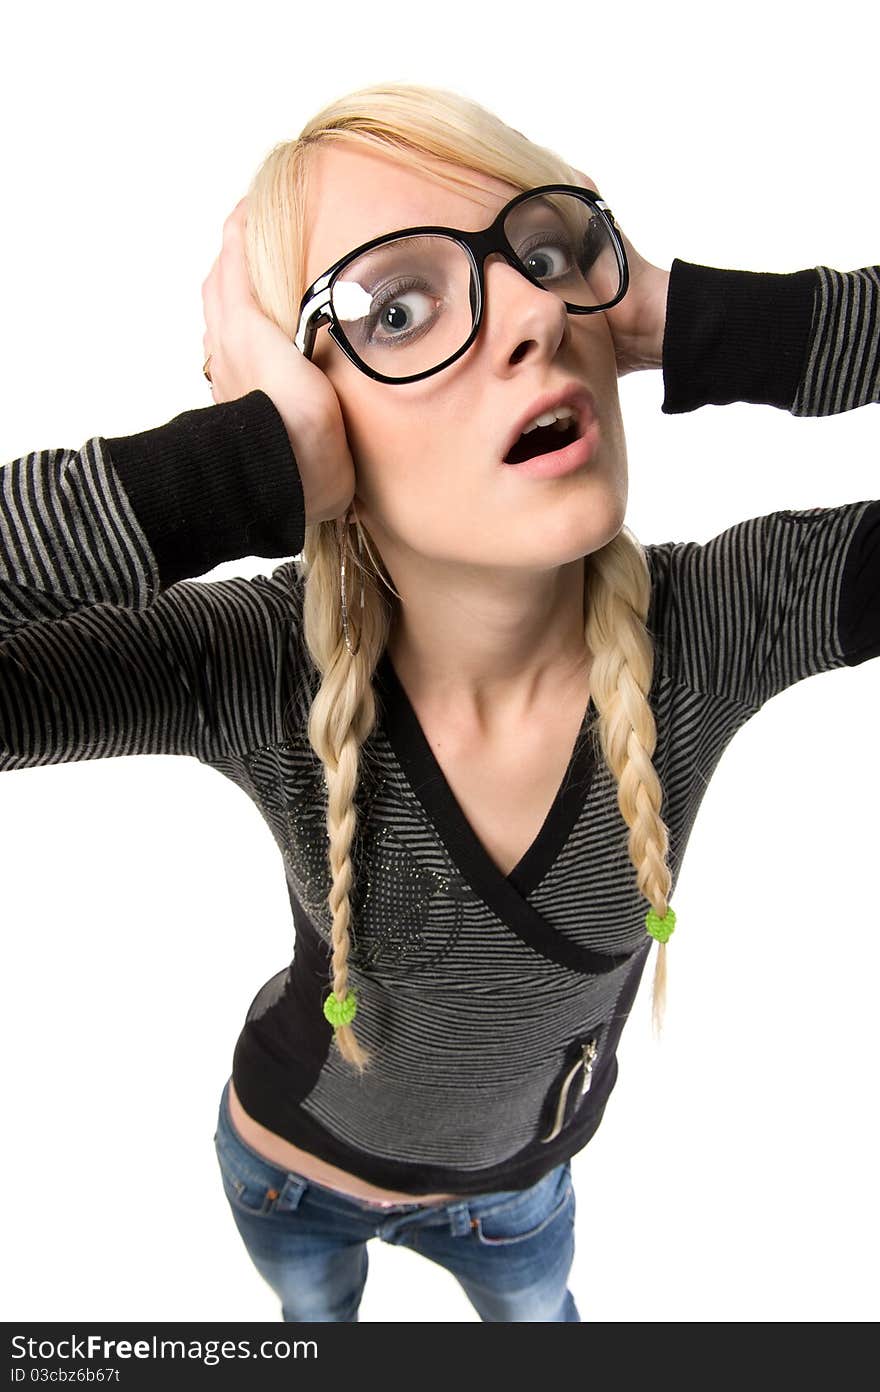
{"x":544,"y":439}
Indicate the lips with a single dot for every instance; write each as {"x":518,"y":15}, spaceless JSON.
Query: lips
{"x":573,"y":394}
{"x":545,"y":439}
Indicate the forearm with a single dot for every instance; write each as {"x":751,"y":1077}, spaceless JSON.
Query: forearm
{"x":734,"y":336}
{"x":805,"y":342}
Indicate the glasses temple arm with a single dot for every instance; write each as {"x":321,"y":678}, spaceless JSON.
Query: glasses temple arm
{"x":315,"y":312}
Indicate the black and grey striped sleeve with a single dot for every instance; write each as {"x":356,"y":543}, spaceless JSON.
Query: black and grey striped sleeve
{"x":767,"y":602}
{"x":777,"y":598}
{"x":842,"y":369}
{"x":807,"y":342}
{"x":105,"y":648}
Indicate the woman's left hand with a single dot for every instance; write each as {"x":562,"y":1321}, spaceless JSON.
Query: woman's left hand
{"x":638,"y":322}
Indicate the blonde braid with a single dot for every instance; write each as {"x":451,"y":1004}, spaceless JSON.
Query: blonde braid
{"x":342,"y":716}
{"x":617,"y":595}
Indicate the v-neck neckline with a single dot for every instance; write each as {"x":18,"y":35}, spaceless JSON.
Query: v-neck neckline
{"x":435,"y":793}
{"x":505,"y":895}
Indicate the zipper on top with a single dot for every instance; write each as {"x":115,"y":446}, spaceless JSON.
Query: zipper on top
{"x":589,"y":1050}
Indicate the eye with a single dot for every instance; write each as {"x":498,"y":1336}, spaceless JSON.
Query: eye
{"x":399,"y":311}
{"x":554,"y":256}
{"x":540,"y":260}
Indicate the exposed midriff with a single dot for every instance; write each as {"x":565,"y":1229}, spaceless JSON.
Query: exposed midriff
{"x":279,"y":1151}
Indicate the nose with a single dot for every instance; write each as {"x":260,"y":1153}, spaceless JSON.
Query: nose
{"x":508,"y":281}
{"x":516,"y":311}
{"x":495,"y":262}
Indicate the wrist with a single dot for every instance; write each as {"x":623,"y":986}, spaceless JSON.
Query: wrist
{"x":640,"y":345}
{"x":661,"y":298}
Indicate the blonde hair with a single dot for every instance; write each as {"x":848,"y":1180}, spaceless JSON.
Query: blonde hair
{"x":408,"y":122}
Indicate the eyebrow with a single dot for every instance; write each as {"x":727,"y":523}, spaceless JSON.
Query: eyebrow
{"x":421,"y":239}
{"x":416,"y":241}
{"x":543,"y":201}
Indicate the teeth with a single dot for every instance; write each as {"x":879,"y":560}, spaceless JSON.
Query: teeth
{"x":560,"y":416}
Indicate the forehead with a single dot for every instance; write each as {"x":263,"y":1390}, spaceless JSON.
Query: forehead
{"x":355,"y":195}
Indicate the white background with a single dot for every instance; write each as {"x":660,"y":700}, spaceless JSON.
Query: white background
{"x":143,"y":904}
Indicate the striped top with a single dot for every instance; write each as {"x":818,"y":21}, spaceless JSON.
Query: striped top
{"x":493,"y":1004}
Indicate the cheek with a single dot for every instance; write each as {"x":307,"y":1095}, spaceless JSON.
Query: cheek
{"x":362,"y":409}
{"x":414,"y":489}
{"x":594,"y":338}
{"x":397,"y":464}
{"x":387,"y":448}
{"x":600,"y":365}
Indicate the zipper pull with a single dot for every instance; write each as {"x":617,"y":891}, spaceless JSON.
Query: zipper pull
{"x":588,"y":1054}
{"x":589,"y":1051}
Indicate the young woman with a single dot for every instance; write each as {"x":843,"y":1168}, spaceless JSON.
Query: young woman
{"x":463,"y":707}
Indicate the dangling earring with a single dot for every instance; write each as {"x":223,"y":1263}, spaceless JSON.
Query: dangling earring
{"x":343,"y":548}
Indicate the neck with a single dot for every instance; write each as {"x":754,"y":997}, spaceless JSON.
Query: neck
{"x":490,"y":648}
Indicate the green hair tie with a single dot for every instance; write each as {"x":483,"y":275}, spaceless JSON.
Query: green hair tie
{"x":340,"y":1012}
{"x":660,"y":928}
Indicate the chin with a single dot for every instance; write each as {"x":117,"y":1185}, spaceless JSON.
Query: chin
{"x":582,"y":521}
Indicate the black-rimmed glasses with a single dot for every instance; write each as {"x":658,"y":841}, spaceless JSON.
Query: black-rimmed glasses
{"x":407,"y":304}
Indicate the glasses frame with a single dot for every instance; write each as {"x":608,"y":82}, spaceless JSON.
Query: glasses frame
{"x":316,"y":307}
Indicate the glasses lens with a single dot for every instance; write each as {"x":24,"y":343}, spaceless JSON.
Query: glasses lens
{"x":565,"y":243}
{"x":408,"y":305}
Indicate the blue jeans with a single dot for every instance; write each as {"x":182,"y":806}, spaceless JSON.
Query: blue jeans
{"x":511,"y":1251}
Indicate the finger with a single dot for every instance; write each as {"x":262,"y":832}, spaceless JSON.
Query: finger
{"x":240,"y":210}
{"x":235,"y":285}
{"x":222,"y":288}
{"x":233,"y":227}
{"x":211,"y":305}
{"x":636,"y":262}
{"x":587,"y":183}
{"x":209,"y":284}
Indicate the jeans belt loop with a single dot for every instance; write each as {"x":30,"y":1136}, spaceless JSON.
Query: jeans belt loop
{"x":460,"y":1222}
{"x":292,"y":1192}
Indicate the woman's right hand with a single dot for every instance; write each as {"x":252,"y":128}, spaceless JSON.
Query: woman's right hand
{"x":251,"y":353}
